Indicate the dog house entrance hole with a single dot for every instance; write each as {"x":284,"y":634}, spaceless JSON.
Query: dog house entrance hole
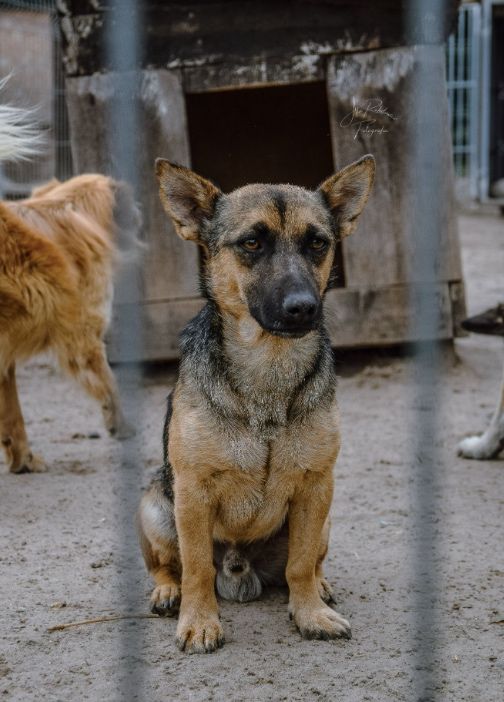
{"x":278,"y":134}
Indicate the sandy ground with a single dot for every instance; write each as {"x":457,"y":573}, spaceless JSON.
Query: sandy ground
{"x":68,"y":553}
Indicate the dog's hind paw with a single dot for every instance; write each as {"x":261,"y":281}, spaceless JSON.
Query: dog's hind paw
{"x":165,"y":600}
{"x":122,"y":431}
{"x":31,"y":463}
{"x":322,"y":623}
{"x":199,"y":635}
{"x":480,"y":447}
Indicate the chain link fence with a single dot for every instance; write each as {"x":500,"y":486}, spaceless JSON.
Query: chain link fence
{"x":31,"y":55}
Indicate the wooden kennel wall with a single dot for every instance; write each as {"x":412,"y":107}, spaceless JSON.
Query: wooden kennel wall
{"x":261,"y":91}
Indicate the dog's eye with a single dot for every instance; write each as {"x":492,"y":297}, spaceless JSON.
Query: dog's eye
{"x":317,"y":244}
{"x":251,"y":244}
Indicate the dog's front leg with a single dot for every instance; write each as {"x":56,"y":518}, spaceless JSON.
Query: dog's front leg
{"x":308,"y":512}
{"x":199,"y":629}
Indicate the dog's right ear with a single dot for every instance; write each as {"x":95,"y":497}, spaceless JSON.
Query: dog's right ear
{"x":188,"y":198}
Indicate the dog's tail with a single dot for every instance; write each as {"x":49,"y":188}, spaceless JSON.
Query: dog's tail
{"x":236,"y":578}
{"x":19,"y":137}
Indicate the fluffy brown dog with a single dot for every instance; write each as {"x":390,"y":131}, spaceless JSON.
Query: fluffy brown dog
{"x":251,"y":432}
{"x":57,"y":252}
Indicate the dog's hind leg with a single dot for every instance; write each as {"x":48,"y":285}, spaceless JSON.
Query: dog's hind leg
{"x":90,"y":368}
{"x":158,"y":539}
{"x":12,"y":429}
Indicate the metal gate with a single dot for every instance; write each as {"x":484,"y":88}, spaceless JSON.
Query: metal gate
{"x":463,"y":71}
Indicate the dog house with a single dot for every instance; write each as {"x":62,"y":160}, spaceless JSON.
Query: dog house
{"x":274,"y":92}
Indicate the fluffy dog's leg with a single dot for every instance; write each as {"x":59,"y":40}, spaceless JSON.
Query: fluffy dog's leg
{"x":91,"y":369}
{"x":158,"y":539}
{"x":12,"y":429}
{"x":308,"y":513}
{"x":199,"y":629}
{"x":491,"y":443}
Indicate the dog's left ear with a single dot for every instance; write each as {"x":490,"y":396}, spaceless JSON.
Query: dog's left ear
{"x":346,"y":193}
{"x":188,"y":198}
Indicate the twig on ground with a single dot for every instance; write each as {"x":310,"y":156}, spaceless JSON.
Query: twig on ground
{"x":99,"y":620}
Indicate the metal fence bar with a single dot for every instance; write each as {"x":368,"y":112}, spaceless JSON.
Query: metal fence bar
{"x":123,"y":39}
{"x":424,"y":25}
{"x":459,"y":95}
{"x":474,"y":103}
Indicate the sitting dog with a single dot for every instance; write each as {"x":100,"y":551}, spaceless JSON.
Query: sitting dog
{"x":491,"y":443}
{"x":251,"y":433}
{"x":57,"y":251}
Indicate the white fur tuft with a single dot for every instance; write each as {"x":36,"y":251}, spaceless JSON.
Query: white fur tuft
{"x":19,"y":137}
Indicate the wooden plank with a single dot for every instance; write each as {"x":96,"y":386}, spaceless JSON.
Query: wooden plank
{"x":170,"y":265}
{"x":370,"y":101}
{"x":358,"y":317}
{"x":260,"y":73}
{"x":175,"y":34}
{"x":382,"y":316}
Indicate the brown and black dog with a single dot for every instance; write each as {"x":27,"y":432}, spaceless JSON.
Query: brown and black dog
{"x":57,"y":253}
{"x":251,"y":432}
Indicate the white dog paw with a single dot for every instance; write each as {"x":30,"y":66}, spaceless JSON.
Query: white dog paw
{"x":479,"y":447}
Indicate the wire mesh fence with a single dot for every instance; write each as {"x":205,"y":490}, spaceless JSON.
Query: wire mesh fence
{"x":123,"y":38}
{"x":31,"y":55}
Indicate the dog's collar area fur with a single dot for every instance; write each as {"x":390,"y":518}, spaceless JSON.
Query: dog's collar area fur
{"x":253,"y":377}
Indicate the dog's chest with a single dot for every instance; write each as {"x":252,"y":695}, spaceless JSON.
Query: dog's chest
{"x":266,"y":383}
{"x":253,"y":497}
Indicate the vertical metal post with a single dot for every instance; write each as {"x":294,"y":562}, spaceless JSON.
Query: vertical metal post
{"x":459,"y":93}
{"x":451,"y":90}
{"x":425,"y":28}
{"x":123,"y":43}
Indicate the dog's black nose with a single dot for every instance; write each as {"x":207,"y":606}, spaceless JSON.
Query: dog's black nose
{"x":300,"y":308}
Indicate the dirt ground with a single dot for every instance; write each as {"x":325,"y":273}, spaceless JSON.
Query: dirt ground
{"x":65,"y":554}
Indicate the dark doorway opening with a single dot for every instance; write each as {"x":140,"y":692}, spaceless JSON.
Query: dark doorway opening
{"x":277,"y":134}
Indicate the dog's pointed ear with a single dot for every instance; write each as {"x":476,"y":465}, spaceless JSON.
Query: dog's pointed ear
{"x":188,"y":198}
{"x":346,"y":193}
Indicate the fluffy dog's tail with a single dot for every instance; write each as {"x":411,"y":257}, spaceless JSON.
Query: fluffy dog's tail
{"x":19,"y":137}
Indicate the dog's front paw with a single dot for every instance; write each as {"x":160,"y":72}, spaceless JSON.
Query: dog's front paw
{"x":321,"y":623}
{"x":165,"y":600}
{"x":199,"y":634}
{"x":480,"y":447}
